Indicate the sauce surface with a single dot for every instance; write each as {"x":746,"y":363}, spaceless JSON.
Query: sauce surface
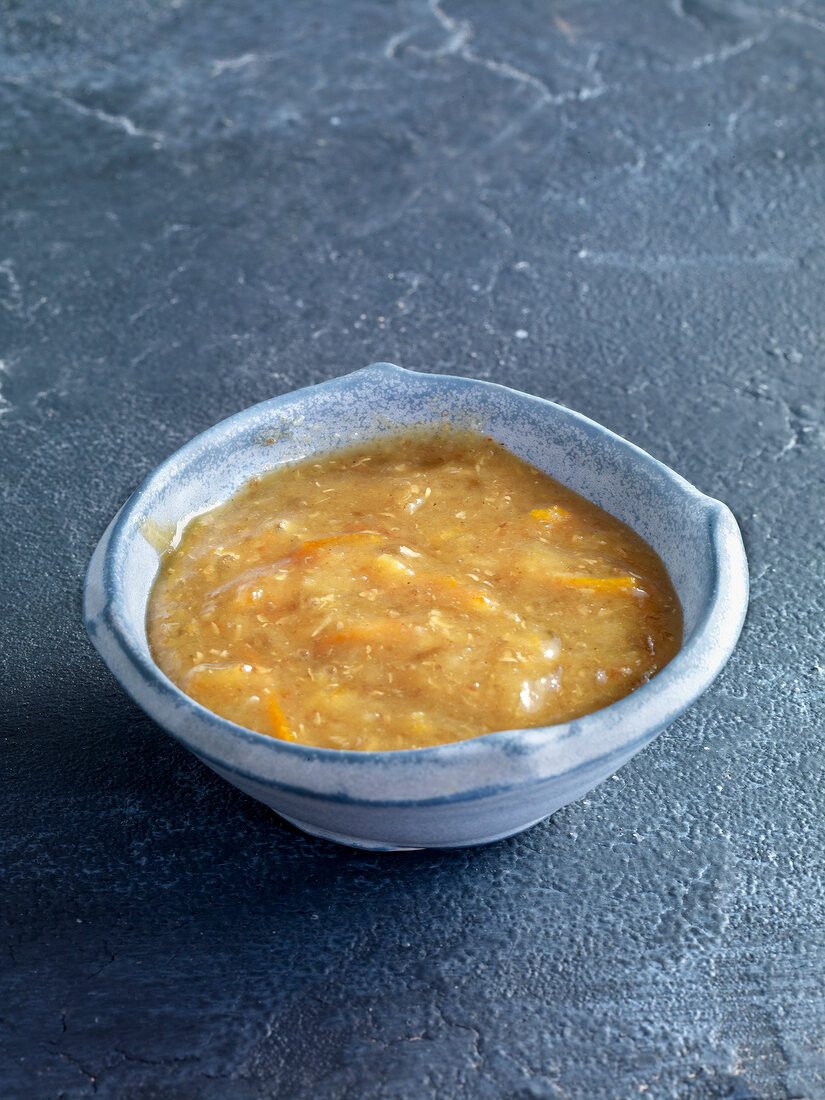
{"x":409,"y":591}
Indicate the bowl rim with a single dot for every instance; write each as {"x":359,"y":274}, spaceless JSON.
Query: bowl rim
{"x":649,"y":708}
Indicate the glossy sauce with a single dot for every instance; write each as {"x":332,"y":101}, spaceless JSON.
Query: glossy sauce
{"x":410,"y":591}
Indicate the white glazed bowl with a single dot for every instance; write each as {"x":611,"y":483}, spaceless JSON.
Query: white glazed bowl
{"x":468,"y":792}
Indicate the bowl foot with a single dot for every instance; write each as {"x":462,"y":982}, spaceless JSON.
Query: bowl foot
{"x":347,"y":841}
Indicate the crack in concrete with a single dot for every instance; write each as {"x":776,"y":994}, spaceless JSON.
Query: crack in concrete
{"x":802,"y":429}
{"x":721,"y":55}
{"x":76,"y":1062}
{"x":460,"y":34}
{"x":121,"y":122}
{"x":108,"y":962}
{"x":678,"y":9}
{"x":5,"y":404}
{"x":477,"y":1038}
{"x":233,"y":64}
{"x":793,"y":16}
{"x":13,"y":299}
{"x":167,"y":1061}
{"x":734,"y":116}
{"x":628,"y":261}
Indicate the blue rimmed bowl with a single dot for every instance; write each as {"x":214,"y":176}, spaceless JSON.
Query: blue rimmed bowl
{"x":469,"y":792}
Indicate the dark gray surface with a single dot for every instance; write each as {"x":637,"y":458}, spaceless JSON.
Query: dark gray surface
{"x":619,"y":206}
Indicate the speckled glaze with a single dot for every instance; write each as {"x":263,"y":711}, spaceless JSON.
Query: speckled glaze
{"x":454,"y":795}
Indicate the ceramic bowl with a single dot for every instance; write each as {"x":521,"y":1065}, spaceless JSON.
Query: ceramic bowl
{"x":469,"y":792}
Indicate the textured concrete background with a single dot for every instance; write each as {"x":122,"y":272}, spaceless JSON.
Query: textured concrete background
{"x":619,"y":206}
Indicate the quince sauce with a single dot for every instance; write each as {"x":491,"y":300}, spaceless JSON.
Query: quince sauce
{"x":409,"y":591}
